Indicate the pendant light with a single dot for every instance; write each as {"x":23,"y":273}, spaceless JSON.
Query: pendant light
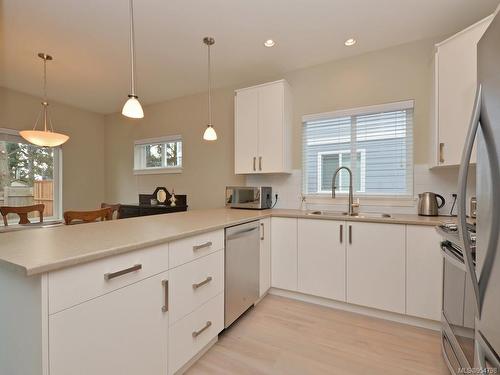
{"x":210,"y":134}
{"x":46,"y":137}
{"x":132,"y":108}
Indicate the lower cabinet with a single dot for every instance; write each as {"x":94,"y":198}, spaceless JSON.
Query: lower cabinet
{"x":284,"y":253}
{"x":376,"y":265}
{"x":265,"y":256}
{"x":123,"y":332}
{"x":424,"y":272}
{"x":321,"y":258}
{"x":193,"y":332}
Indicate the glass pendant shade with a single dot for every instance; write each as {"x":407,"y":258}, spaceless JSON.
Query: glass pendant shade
{"x":210,"y":134}
{"x":132,"y":108}
{"x":44,"y":138}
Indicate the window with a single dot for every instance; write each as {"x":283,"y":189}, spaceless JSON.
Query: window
{"x":375,"y":142}
{"x":158,"y":155}
{"x":29,"y":175}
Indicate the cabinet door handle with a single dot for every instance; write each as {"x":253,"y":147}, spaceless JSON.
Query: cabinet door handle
{"x":164,"y":308}
{"x":260,"y":163}
{"x":204,"y":282}
{"x":441,"y":152}
{"x":112,"y":275}
{"x":254,"y":160}
{"x":350,"y":234}
{"x":262,"y":226}
{"x":202,"y":246}
{"x":197,"y":333}
{"x":341,"y":233}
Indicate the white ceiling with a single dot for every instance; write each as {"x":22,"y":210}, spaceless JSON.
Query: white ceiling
{"x":89,"y":41}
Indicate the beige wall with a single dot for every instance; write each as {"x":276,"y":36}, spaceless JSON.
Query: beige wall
{"x":83,"y":154}
{"x":208,"y":166}
{"x":394,"y":74}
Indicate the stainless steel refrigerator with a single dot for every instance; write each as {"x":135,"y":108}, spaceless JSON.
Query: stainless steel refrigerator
{"x":485,"y":128}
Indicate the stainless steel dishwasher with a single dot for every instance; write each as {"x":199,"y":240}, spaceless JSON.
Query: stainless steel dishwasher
{"x":242,"y":270}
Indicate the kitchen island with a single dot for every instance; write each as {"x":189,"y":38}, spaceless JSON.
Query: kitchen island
{"x":80,"y":299}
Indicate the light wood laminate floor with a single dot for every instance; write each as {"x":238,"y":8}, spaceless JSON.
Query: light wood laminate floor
{"x":287,"y":337}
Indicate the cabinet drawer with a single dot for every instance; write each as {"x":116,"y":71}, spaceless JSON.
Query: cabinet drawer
{"x":74,"y":285}
{"x":190,"y":334}
{"x":194,"y":283}
{"x":188,"y":249}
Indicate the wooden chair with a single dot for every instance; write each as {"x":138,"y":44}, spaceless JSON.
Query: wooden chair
{"x":88,"y":216}
{"x":22,"y":212}
{"x":114,"y":208}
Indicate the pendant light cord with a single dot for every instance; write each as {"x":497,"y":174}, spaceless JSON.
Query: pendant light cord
{"x":132,"y":50}
{"x":209,"y":88}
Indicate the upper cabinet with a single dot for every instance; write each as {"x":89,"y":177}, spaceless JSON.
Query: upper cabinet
{"x":262,"y":129}
{"x":455,"y":82}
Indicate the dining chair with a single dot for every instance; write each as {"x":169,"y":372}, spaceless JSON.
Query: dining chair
{"x":114,"y":208}
{"x":87,"y":216}
{"x":22,"y":212}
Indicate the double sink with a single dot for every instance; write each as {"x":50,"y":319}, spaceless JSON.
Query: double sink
{"x":361,"y":215}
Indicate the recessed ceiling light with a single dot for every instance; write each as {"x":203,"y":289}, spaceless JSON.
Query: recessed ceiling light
{"x":269,"y":43}
{"x":350,"y":42}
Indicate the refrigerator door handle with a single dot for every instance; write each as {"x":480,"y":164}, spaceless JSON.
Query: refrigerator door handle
{"x":462,"y":199}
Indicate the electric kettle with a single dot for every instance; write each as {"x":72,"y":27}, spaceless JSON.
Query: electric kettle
{"x":428,"y":204}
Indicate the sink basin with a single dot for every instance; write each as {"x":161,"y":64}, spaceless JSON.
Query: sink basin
{"x":367,"y":215}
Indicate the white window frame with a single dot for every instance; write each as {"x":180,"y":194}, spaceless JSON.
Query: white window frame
{"x":375,"y":199}
{"x":140,"y":156}
{"x":340,"y":187}
{"x":57,"y":178}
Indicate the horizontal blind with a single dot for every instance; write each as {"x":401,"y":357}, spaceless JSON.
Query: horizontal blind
{"x":377,"y":147}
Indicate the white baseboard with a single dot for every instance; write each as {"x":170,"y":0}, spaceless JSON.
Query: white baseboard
{"x":395,"y":317}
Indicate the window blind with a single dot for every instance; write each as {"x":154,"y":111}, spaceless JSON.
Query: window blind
{"x":376,"y":143}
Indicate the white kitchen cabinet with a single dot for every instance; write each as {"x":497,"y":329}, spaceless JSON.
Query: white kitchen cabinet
{"x":321,"y":258}
{"x":376,"y":265}
{"x":123,"y":332}
{"x":455,"y":84}
{"x":262,"y":129}
{"x":424,"y":272}
{"x":284,"y":253}
{"x":265,"y":256}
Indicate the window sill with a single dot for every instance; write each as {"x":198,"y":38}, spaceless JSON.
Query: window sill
{"x":364,"y":200}
{"x":157,"y":171}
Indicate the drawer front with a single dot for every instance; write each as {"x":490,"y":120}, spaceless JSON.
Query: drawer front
{"x":189,"y":335}
{"x":194,"y":283}
{"x":74,"y":285}
{"x":191,"y":248}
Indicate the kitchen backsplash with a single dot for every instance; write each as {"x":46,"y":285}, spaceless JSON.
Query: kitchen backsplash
{"x":442,"y":181}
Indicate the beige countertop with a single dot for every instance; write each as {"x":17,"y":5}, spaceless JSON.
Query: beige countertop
{"x":40,"y":250}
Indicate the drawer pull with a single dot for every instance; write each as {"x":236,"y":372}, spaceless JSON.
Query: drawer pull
{"x":202,"y":246}
{"x":204,"y":282}
{"x":112,"y":275}
{"x":164,"y":308}
{"x":197,"y":333}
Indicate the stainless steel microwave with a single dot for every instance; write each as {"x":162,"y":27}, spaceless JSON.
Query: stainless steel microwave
{"x":250,"y":197}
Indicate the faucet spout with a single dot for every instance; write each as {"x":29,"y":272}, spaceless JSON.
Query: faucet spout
{"x":334,"y":187}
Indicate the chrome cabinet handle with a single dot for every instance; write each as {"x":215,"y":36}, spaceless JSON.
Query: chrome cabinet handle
{"x":112,"y":275}
{"x":197,"y":333}
{"x":263,"y":234}
{"x":204,"y":282}
{"x":350,"y":234}
{"x":260,"y":163}
{"x":441,"y":152}
{"x":462,"y":191}
{"x":202,"y":246}
{"x":164,"y":308}
{"x":254,"y":160}
{"x":341,"y":232}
